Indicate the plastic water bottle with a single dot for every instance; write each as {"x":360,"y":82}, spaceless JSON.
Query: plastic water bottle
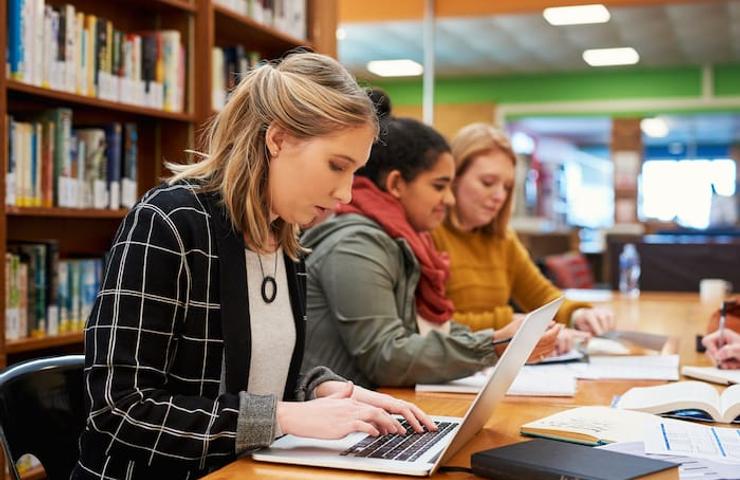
{"x":629,"y":271}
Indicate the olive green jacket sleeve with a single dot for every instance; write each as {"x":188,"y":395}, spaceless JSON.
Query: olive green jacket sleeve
{"x":360,"y":279}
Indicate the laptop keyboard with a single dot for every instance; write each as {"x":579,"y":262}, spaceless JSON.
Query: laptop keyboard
{"x":407,"y":448}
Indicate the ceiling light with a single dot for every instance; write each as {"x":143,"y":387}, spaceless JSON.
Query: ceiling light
{"x":395,"y":68}
{"x":577,"y":15}
{"x":654,"y":127}
{"x":341,"y":33}
{"x":602,"y":57}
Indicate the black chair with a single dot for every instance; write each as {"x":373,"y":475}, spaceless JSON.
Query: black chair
{"x":42,"y":412}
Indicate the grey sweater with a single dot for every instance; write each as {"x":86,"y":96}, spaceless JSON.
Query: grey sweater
{"x":362,"y":312}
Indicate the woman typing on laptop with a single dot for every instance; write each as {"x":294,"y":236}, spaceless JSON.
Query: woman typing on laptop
{"x":194,"y":346}
{"x":489,"y":265}
{"x":377,"y":310}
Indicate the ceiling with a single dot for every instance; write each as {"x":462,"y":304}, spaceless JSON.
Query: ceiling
{"x":705,"y":129}
{"x":702,"y":32}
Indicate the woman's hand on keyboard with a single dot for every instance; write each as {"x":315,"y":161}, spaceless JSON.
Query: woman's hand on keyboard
{"x":413,"y":414}
{"x":334,"y":416}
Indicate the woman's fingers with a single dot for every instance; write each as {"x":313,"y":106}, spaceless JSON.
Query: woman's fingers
{"x":382,"y":420}
{"x":425,"y":419}
{"x":361,"y":426}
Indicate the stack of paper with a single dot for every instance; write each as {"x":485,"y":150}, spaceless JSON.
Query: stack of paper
{"x":712,"y":374}
{"x":529,"y":382}
{"x":630,"y":367}
{"x":690,"y":467}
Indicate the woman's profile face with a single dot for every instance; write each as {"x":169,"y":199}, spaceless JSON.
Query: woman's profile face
{"x":308,"y":178}
{"x":425,"y":199}
{"x":482,"y":190}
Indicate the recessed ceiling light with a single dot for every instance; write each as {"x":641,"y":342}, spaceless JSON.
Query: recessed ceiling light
{"x":341,"y":33}
{"x":602,"y":57}
{"x":576,"y":15}
{"x":654,"y":127}
{"x":395,"y":68}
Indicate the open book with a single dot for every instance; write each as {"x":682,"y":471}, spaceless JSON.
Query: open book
{"x":688,"y":400}
{"x":712,"y":374}
{"x":593,"y":425}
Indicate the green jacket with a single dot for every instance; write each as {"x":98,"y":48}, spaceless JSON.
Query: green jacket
{"x":362,"y":312}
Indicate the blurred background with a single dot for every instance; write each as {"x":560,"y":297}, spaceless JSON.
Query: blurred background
{"x":625,"y":116}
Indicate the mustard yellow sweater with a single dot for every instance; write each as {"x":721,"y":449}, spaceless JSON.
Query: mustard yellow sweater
{"x":487,"y":271}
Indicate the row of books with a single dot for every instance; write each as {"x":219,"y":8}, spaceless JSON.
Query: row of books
{"x":229,"y":64}
{"x":46,"y":296}
{"x":60,"y":48}
{"x":288,"y":16}
{"x":52,"y":164}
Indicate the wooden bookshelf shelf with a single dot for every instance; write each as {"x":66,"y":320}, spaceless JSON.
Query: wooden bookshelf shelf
{"x":183,"y":5}
{"x":84,"y":235}
{"x":65,"y":212}
{"x":31,"y":344}
{"x":74,"y":99}
{"x":236,"y":27}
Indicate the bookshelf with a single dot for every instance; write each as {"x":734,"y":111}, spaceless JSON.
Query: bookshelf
{"x":162,"y":134}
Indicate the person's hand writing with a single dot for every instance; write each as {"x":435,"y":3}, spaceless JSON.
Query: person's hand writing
{"x":596,"y":321}
{"x":568,"y":339}
{"x":546,"y":346}
{"x":413,"y":414}
{"x":724,"y":349}
{"x":335,"y":416}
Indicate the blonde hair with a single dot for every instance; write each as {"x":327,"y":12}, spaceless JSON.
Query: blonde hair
{"x":471,"y":142}
{"x":307,"y":95}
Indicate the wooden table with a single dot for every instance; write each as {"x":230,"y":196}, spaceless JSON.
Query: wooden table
{"x":678,"y":315}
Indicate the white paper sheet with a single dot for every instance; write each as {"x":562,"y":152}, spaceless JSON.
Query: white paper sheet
{"x":530,"y":381}
{"x":690,"y":468}
{"x":689,"y":439}
{"x":631,"y":367}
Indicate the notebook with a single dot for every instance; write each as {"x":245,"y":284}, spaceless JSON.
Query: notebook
{"x":541,"y":459}
{"x":593,"y":425}
{"x":687,"y":400}
{"x":712,"y":374}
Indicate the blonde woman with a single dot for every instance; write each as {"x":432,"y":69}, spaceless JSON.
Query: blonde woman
{"x":489,"y":265}
{"x":194,"y":346}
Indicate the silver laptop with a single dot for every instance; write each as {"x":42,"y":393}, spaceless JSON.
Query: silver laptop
{"x":418,"y":454}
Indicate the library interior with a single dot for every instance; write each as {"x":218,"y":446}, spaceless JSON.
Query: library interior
{"x":344,"y":239}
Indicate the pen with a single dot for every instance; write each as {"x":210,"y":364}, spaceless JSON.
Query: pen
{"x":722,"y":318}
{"x":502,"y":341}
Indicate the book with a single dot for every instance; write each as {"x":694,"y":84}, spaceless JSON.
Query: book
{"x":595,"y":425}
{"x":689,"y":400}
{"x":712,"y":374}
{"x":546,"y":459}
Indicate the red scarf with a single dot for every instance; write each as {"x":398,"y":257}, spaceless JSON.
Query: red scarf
{"x":431,"y":301}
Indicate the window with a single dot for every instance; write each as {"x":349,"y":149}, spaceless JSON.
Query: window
{"x":682,"y":190}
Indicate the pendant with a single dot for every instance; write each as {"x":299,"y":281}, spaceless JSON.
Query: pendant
{"x":268,"y":280}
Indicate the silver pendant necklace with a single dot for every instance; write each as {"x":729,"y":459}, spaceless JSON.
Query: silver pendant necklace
{"x":268,"y":281}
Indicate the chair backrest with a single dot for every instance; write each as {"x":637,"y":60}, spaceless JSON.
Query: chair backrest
{"x":42,"y":412}
{"x":569,"y":270}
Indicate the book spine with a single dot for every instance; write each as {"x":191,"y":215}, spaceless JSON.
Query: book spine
{"x":16,"y":46}
{"x":113,"y":156}
{"x":63,"y":297}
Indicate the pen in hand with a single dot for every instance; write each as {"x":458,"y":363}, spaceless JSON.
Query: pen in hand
{"x":502,"y":341}
{"x":722,"y":319}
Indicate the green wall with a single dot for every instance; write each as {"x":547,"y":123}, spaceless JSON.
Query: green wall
{"x":612,"y":84}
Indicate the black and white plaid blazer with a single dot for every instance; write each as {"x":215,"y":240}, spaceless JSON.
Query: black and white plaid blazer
{"x":173,"y":308}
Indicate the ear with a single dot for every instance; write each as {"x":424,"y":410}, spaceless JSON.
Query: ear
{"x":394,"y":183}
{"x":274,"y":139}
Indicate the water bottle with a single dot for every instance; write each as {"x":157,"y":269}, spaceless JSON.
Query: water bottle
{"x":629,"y":271}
